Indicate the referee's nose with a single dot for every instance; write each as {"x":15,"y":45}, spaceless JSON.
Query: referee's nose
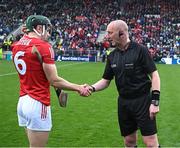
{"x":107,"y":37}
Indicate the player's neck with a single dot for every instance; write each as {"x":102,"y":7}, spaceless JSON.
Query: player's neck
{"x":33,"y":35}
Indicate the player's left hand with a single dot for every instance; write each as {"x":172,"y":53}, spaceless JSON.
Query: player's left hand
{"x":62,"y":97}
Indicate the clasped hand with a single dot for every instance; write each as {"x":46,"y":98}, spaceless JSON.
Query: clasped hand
{"x":85,"y":90}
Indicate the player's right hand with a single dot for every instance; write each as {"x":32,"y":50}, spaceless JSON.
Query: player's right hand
{"x":85,"y":90}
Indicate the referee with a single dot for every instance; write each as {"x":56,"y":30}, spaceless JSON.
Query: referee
{"x":138,"y":84}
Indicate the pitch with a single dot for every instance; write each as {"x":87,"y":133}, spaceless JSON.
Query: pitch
{"x":90,"y":121}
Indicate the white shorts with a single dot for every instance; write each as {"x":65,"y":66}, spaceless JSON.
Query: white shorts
{"x":34,"y":115}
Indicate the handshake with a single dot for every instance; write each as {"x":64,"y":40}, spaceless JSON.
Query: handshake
{"x":84,"y":90}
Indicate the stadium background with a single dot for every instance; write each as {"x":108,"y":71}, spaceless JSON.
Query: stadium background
{"x":79,"y":31}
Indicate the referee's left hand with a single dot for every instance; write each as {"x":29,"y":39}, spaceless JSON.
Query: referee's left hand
{"x":153,"y":110}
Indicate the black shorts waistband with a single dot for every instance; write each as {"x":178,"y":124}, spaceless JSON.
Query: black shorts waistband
{"x":133,"y":95}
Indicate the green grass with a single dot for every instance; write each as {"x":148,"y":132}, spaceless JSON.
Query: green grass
{"x":92,"y":121}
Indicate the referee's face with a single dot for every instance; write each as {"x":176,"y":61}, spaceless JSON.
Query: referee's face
{"x":115,"y":36}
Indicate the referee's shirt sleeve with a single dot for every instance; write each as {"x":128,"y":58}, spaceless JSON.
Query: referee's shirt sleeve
{"x":147,"y":61}
{"x":108,"y":72}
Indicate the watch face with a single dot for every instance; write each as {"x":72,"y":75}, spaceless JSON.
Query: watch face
{"x":155,"y":102}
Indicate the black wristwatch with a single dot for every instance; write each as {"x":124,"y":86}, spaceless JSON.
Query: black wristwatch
{"x":155,"y":102}
{"x":93,"y":88}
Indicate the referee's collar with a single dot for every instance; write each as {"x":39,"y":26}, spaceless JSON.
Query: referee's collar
{"x":130,"y":45}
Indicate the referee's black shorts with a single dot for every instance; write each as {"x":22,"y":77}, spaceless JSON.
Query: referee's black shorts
{"x":134,"y":114}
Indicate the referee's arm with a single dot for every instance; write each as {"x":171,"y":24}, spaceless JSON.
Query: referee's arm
{"x":155,"y":80}
{"x":101,"y":84}
{"x":154,"y":107}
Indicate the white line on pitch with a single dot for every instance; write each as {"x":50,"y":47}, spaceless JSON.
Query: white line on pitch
{"x":8,"y":74}
{"x":13,"y":73}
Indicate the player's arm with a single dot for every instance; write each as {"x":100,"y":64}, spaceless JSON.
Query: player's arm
{"x":100,"y":85}
{"x":58,"y":82}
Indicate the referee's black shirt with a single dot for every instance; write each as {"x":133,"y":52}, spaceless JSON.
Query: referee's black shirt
{"x":130,"y":68}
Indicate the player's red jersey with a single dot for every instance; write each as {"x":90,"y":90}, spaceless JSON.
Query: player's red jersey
{"x":32,"y":77}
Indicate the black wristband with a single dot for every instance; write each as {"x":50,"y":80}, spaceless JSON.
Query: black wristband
{"x":155,"y":95}
{"x":93,"y":88}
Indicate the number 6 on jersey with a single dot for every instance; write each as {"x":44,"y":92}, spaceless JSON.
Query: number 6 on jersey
{"x":21,"y":62}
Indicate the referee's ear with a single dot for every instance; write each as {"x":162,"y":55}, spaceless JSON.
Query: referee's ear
{"x":120,"y":34}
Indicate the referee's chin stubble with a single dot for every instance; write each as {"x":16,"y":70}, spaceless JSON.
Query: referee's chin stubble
{"x":112,"y":44}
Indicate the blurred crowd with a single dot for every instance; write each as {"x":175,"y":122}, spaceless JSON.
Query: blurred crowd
{"x":77,"y":23}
